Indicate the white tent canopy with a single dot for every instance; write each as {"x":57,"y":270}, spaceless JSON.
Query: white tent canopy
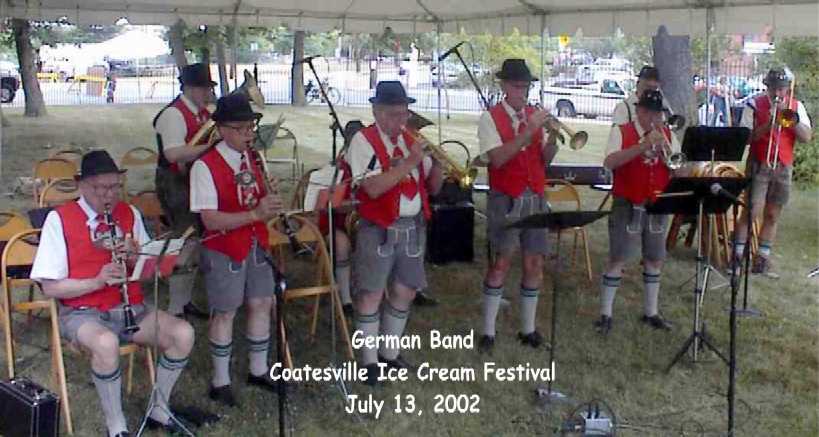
{"x":557,"y":17}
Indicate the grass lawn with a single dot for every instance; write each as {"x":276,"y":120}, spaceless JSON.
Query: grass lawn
{"x":778,"y":355}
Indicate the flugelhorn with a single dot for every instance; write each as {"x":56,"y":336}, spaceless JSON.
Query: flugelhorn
{"x":577,"y":139}
{"x":464,"y":176}
{"x":250,"y":89}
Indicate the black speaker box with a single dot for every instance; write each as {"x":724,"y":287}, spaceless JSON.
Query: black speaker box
{"x":450,"y":233}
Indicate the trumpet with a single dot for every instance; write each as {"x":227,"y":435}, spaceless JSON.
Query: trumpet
{"x":464,"y":176}
{"x":577,"y":139}
{"x":250,"y":88}
{"x":672,"y":160}
{"x":118,"y":257}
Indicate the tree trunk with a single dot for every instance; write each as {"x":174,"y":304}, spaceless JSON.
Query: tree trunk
{"x":177,"y":42}
{"x":672,"y":56}
{"x":224,"y":86}
{"x":204,"y":52}
{"x":297,"y":97}
{"x":35,"y":105}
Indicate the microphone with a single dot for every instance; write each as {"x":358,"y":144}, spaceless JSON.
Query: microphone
{"x":717,"y":190}
{"x":451,"y":51}
{"x":307,"y":59}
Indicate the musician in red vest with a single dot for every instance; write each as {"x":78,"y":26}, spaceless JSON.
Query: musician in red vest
{"x":175,"y":125}
{"x":634,"y":155}
{"x":395,"y":182}
{"x":73,"y":266}
{"x":229,"y":192}
{"x":517,"y":147}
{"x":770,"y":170}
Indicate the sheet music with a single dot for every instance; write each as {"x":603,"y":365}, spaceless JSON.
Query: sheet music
{"x":149,"y":254}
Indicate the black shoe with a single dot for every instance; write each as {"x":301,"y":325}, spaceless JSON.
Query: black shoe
{"x":192,"y":310}
{"x":398,"y":363}
{"x":533,"y":339}
{"x":263,"y":381}
{"x":657,"y":322}
{"x":348,"y":309}
{"x":121,"y":434}
{"x":194,"y":415}
{"x":603,"y":326}
{"x":171,"y":427}
{"x":423,"y":300}
{"x":223,"y":395}
{"x":372,"y":374}
{"x":486,"y":344}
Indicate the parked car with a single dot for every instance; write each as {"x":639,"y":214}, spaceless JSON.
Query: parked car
{"x":9,"y":81}
{"x":588,"y":99}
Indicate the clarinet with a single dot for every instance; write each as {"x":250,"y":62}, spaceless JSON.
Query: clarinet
{"x":119,"y":258}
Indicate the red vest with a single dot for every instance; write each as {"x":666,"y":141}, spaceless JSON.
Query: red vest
{"x":635,"y":180}
{"x":85,"y":260}
{"x":526,"y":169}
{"x":234,"y":243}
{"x":384,"y":210}
{"x":191,"y":124}
{"x":759,"y":148}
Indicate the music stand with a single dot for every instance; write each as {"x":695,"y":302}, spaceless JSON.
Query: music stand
{"x":557,"y":221}
{"x":710,"y":144}
{"x":687,"y":196}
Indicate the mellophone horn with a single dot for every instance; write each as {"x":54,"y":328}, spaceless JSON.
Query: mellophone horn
{"x":250,"y":89}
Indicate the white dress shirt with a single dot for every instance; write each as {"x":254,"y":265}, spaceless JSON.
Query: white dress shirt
{"x":51,"y":260}
{"x":171,"y":126}
{"x":360,"y":156}
{"x":203,"y":189}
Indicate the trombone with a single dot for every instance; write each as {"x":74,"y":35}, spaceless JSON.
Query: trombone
{"x":464,"y":175}
{"x":782,"y":119}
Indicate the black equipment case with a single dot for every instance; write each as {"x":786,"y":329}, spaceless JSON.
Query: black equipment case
{"x":28,"y":410}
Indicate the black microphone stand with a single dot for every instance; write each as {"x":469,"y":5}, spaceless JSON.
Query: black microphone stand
{"x":336,"y":128}
{"x":154,"y":389}
{"x":468,"y":73}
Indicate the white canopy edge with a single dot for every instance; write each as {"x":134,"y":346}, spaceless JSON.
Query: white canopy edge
{"x":785,"y":17}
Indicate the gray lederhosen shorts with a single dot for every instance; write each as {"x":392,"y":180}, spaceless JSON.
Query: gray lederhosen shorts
{"x":502,"y":210}
{"x":229,"y":283}
{"x":769,"y":185}
{"x":630,"y":226}
{"x":396,"y":252}
{"x":71,"y":319}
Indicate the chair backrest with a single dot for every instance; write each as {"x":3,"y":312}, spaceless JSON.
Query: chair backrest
{"x":138,"y":156}
{"x":69,"y":154}
{"x":12,"y":223}
{"x":54,"y":168}
{"x":59,"y":191}
{"x":560,"y":191}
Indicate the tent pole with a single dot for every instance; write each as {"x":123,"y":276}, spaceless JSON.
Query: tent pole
{"x":542,"y":56}
{"x":709,"y":17}
{"x":441,"y":76}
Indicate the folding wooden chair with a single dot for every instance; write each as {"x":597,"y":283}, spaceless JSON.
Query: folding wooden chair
{"x":285,"y":140}
{"x":137,"y":159}
{"x":560,"y":191}
{"x":307,"y":233}
{"x":300,"y":190}
{"x":15,"y":264}
{"x":49,"y":169}
{"x":148,"y":204}
{"x":59,"y":191}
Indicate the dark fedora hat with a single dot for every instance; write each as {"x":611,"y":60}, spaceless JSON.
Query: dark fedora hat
{"x":777,"y":78}
{"x":391,"y":92}
{"x":651,"y":100}
{"x":234,"y":107}
{"x":97,"y":162}
{"x":196,"y":75}
{"x":649,"y":72}
{"x":515,"y":69}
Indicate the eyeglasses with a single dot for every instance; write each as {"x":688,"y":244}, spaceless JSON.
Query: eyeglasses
{"x":243,"y":128}
{"x":102,"y":189}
